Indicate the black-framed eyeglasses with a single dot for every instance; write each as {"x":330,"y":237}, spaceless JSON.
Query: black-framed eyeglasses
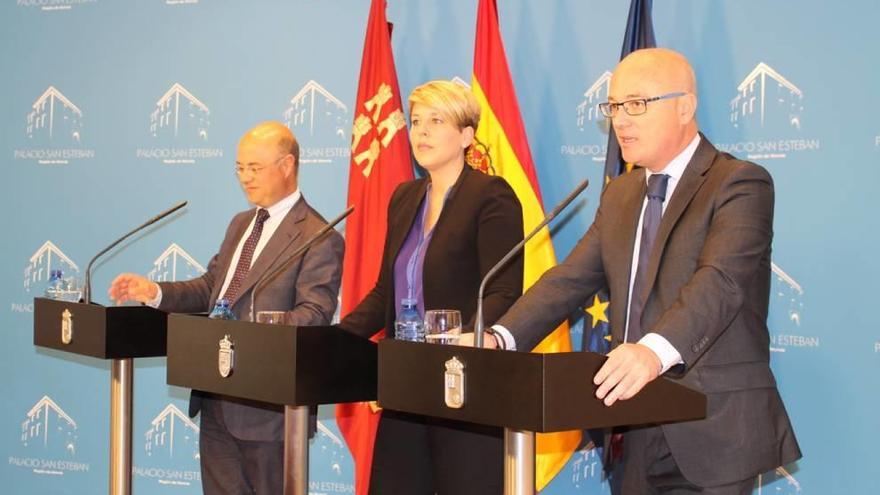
{"x":637,"y":106}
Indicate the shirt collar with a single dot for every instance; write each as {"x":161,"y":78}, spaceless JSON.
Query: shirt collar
{"x":278,"y":209}
{"x":675,"y":168}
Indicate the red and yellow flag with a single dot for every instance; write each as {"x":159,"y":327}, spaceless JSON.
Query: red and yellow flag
{"x":502,"y":131}
{"x":380,"y":160}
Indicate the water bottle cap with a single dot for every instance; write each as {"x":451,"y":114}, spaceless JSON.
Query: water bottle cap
{"x":223,"y":302}
{"x":56,"y":273}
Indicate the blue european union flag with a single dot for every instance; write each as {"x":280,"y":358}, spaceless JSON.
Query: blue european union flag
{"x":597,"y":330}
{"x":639,"y":34}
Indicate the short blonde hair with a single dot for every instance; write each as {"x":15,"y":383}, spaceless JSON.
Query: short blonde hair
{"x":453,"y":100}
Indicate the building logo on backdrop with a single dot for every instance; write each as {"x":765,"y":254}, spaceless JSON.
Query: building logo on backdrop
{"x":171,"y":448}
{"x":181,"y":2}
{"x":321,"y":117}
{"x":179,"y":125}
{"x":54,"y":131}
{"x":175,"y":264}
{"x":770,"y":107}
{"x":53,"y":5}
{"x":786,"y":313}
{"x":591,"y":124}
{"x":779,"y":482}
{"x":331,"y":467}
{"x":877,"y":141}
{"x":36,"y":274}
{"x":48,"y":441}
{"x":586,"y":466}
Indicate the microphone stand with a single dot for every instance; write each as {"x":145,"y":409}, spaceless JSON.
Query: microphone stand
{"x":121,"y":384}
{"x":296,"y":418}
{"x":519,"y":445}
{"x":87,"y":284}
{"x":478,"y":321}
{"x":296,"y":254}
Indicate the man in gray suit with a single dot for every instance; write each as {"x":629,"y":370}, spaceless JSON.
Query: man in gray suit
{"x":683,"y":244}
{"x":241,"y":442}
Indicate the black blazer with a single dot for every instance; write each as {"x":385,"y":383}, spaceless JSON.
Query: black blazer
{"x":480,"y":222}
{"x":708,"y":291}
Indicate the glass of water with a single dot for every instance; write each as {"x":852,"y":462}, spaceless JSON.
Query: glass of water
{"x":72,"y":289}
{"x":443,"y":326}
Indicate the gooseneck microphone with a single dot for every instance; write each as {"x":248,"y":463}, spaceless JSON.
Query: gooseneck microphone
{"x":296,"y":254}
{"x":87,"y":284}
{"x":478,"y":321}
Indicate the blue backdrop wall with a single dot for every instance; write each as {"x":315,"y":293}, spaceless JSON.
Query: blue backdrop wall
{"x":112,"y":111}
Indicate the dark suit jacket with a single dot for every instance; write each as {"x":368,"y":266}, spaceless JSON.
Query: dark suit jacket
{"x":308,"y":289}
{"x":709,"y":280}
{"x":480,"y":222}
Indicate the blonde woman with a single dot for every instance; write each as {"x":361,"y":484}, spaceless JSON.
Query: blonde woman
{"x":445,"y":231}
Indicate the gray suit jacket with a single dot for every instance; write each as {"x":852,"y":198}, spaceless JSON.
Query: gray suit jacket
{"x":307,"y":289}
{"x":709,"y":282}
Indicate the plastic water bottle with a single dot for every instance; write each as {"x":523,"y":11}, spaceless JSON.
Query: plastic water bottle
{"x":55,"y":287}
{"x":222,"y":311}
{"x":409,"y":325}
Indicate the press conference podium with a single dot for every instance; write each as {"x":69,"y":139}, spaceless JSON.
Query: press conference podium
{"x":292,"y":366}
{"x":116,"y":333}
{"x":522,"y":392}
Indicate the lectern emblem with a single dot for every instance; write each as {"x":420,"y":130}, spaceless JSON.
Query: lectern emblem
{"x":226,"y":356}
{"x":66,"y":327}
{"x":453,"y":390}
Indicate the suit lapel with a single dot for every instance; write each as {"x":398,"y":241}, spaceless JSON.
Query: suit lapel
{"x":404,"y":217}
{"x":693,"y":177}
{"x":625,"y":236}
{"x":450,"y":206}
{"x":283,"y":238}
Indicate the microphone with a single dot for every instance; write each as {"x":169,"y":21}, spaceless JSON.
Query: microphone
{"x":478,"y":323}
{"x":87,"y":284}
{"x":296,"y":254}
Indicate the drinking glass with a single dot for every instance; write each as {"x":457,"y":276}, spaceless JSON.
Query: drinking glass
{"x":442,"y":326}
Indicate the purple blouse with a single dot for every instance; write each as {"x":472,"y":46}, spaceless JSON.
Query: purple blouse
{"x":410,"y":261}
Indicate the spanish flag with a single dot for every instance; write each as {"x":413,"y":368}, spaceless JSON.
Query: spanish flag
{"x":501,"y":130}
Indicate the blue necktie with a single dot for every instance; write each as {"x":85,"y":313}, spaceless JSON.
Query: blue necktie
{"x":651,"y":222}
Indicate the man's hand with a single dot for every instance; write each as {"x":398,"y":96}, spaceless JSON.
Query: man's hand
{"x":467,"y":340}
{"x":132,"y":287}
{"x":629,"y":368}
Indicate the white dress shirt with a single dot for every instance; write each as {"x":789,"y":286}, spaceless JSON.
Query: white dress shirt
{"x":277,"y":212}
{"x":667,"y":354}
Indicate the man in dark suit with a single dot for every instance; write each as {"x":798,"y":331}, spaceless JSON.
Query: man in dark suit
{"x":241,"y":442}
{"x":683,"y":243}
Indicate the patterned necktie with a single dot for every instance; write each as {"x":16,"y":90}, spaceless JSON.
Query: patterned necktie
{"x":651,"y":222}
{"x":244,"y":259}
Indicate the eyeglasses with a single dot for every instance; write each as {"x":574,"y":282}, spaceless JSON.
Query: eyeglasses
{"x":255,"y":169}
{"x":637,"y":106}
